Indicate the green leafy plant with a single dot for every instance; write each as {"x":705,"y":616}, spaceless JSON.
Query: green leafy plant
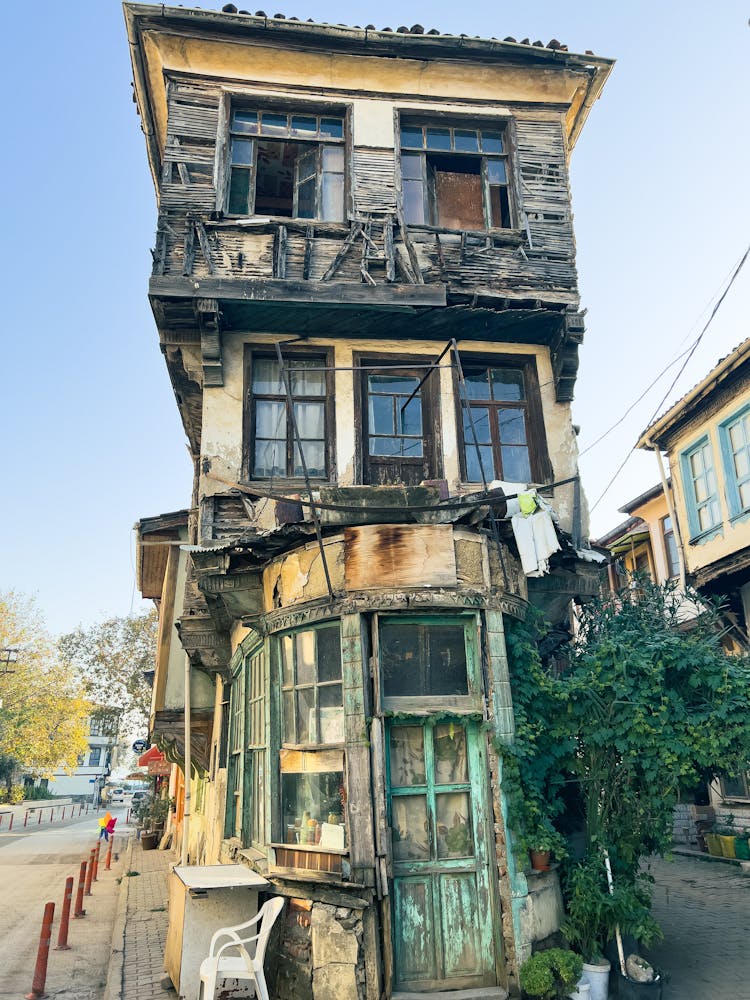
{"x":551,"y":974}
{"x":151,"y":812}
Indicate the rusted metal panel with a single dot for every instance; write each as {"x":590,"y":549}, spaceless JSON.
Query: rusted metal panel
{"x":385,"y":556}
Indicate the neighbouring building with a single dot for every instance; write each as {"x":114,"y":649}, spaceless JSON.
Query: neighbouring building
{"x":95,"y":766}
{"x":365,"y":289}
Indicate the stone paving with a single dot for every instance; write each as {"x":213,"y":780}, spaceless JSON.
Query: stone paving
{"x":703,"y":908}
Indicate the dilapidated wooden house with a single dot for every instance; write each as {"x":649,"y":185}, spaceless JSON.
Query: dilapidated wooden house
{"x":364,"y":284}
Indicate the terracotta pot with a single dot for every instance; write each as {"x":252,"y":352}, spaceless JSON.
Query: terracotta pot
{"x":540,"y":860}
{"x":149,"y":841}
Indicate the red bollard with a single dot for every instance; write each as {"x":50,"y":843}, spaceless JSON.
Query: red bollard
{"x":63,"y":813}
{"x":10,"y":825}
{"x":62,"y":934}
{"x":40,"y":971}
{"x":96,"y":860}
{"x":79,"y":910}
{"x":26,"y":818}
{"x":108,"y":862}
{"x":90,"y":872}
{"x":39,"y":823}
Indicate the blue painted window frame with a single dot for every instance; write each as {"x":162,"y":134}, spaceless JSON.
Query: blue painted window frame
{"x":692,"y":503}
{"x":733,"y":481}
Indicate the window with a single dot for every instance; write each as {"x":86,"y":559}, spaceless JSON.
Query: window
{"x":737,"y":787}
{"x":734,"y":435}
{"x":236,"y":745}
{"x":247,"y":751}
{"x":427,"y":660}
{"x":401,"y":430}
{"x":286,"y":164}
{"x":501,"y":422}
{"x":455,"y":177}
{"x":312,"y":715}
{"x":701,"y":491}
{"x":273,"y":451}
{"x":670,"y":547}
{"x":95,"y":756}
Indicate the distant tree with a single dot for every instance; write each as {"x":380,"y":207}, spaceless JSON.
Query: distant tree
{"x":43,"y":718}
{"x":112,"y":657}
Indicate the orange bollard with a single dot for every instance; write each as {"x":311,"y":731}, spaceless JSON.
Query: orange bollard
{"x":108,"y":862}
{"x":79,"y":910}
{"x":10,"y":825}
{"x":96,"y":861}
{"x":40,"y":971}
{"x":90,"y":873}
{"x":26,"y":818}
{"x":40,"y":817}
{"x":62,"y":934}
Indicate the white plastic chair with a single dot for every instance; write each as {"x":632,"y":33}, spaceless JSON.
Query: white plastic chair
{"x":247,"y":964}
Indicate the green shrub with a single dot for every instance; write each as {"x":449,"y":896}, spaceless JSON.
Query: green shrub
{"x":551,"y":974}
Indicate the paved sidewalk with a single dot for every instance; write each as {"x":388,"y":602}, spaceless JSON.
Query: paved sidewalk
{"x":704,"y":910}
{"x":137,"y":967}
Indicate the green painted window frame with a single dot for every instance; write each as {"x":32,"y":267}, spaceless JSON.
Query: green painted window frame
{"x":732,"y":481}
{"x":468,"y":703}
{"x":247,"y":754}
{"x":693,"y":505}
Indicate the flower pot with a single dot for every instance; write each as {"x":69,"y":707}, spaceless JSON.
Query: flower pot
{"x":149,"y":841}
{"x":629,"y":989}
{"x":581,"y":992}
{"x":714,"y":845}
{"x":597,"y":976}
{"x":727,"y":844}
{"x":742,"y":848}
{"x":540,"y":860}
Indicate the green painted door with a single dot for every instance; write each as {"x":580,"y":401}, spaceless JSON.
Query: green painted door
{"x":442,"y":906}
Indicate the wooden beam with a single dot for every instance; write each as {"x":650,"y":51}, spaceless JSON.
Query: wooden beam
{"x":281,"y":290}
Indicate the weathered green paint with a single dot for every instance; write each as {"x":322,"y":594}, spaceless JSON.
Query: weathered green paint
{"x":443,"y":929}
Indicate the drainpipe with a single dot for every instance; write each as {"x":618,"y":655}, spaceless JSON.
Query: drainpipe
{"x":672,"y":514}
{"x":188,"y":766}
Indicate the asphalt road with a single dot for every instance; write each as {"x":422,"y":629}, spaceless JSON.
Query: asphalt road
{"x":34,"y":864}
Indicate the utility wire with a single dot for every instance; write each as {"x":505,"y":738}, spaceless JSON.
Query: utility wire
{"x":690,"y":353}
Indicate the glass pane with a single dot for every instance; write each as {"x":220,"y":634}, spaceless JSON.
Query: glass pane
{"x":288,"y":714}
{"x":741,"y":465}
{"x":310,"y":419}
{"x":407,"y":766}
{"x":454,"y":825}
{"x":447,"y":659}
{"x":315,"y":459}
{"x":411,"y":135}
{"x":405,"y":384}
{"x":411,"y":166}
{"x":492,"y":142}
{"x":738,"y":434}
{"x":274,"y":124}
{"x":422,"y":660}
{"x":303,"y":123}
{"x":332,"y":207}
{"x":270,"y":419}
{"x":411,"y":447}
{"x":480,"y":416}
{"x":466,"y":142}
{"x":267,"y":378}
{"x":239,"y":192}
{"x":409,"y":828}
{"x":331,"y":714}
{"x":516,"y":468}
{"x":245,"y":121}
{"x":242,"y":151}
{"x":477,"y":384}
{"x":508,"y":385}
{"x":744,"y":495}
{"x":307,"y":165}
{"x":696,"y":462}
{"x":473,"y":471}
{"x":333,"y":158}
{"x":701,"y":493}
{"x":512,"y":424}
{"x":381,"y":415}
{"x":307,"y":730}
{"x":332,"y":127}
{"x":305,"y":643}
{"x":438,"y":138}
{"x":410,"y":415}
{"x":307,"y":377}
{"x":306,"y":199}
{"x":414,"y":207}
{"x":270,"y":458}
{"x":451,"y":764}
{"x":287,"y":660}
{"x":496,"y":172}
{"x":329,"y":654}
{"x":309,"y":800}
{"x":385,"y":446}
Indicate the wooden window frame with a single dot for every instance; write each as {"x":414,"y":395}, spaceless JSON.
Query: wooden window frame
{"x":697,"y":533}
{"x":673,"y":566}
{"x":431,"y":415}
{"x":227,"y":133}
{"x":732,"y":481}
{"x":315,"y":686}
{"x":453,"y":123}
{"x":536,"y":434}
{"x":248,"y":445}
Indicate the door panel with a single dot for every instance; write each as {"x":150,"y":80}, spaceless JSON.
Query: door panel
{"x":441,"y":878}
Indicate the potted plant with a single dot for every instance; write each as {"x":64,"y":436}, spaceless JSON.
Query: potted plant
{"x":542,"y":841}
{"x":151,"y":813}
{"x":551,"y":974}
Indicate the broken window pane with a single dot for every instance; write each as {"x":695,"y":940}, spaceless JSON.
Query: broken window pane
{"x":507,"y":385}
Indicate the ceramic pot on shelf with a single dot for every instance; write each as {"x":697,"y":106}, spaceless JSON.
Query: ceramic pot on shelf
{"x":539,"y":860}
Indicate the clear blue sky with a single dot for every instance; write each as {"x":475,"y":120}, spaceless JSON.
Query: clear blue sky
{"x":91,"y":438}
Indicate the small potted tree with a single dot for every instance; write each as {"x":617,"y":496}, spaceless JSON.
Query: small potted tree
{"x":151,"y":814}
{"x":551,"y":974}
